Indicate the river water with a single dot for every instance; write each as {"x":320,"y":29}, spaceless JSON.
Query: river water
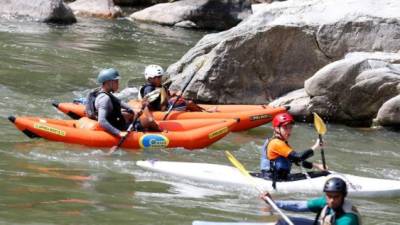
{"x":54,"y":183}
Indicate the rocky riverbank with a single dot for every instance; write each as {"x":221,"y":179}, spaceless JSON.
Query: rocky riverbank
{"x":339,"y":58}
{"x":293,"y":45}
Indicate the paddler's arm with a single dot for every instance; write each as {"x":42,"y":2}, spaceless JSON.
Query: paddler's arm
{"x":289,"y":205}
{"x":301,"y":156}
{"x":126,"y":107}
{"x":102,"y":104}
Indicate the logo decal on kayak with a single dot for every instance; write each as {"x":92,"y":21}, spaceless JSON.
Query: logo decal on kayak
{"x":218,"y":132}
{"x":52,"y":130}
{"x":153,"y":141}
{"x":260,"y":117}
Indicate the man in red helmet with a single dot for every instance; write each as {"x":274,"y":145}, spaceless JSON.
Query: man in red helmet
{"x":280,"y":154}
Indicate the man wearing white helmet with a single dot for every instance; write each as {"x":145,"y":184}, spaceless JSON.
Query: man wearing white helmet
{"x":153,"y":75}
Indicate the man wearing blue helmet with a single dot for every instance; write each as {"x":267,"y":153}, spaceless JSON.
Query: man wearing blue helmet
{"x":331,"y":209}
{"x":113,"y":114}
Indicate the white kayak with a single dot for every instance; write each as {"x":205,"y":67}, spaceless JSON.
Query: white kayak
{"x":295,"y":220}
{"x":198,"y":222}
{"x":221,"y":174}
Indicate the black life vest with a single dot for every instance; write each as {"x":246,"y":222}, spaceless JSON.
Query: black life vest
{"x":90,"y":107}
{"x":279,"y":168}
{"x":115,"y":118}
{"x":160,"y":100}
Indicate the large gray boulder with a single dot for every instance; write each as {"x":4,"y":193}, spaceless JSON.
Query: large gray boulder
{"x":204,"y":14}
{"x":96,"y":8}
{"x":355,"y":88}
{"x":52,"y":11}
{"x":299,"y":102}
{"x":389,"y":113}
{"x":276,"y":49}
{"x":139,"y":2}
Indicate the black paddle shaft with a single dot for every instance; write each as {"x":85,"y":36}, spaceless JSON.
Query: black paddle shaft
{"x":131,"y":127}
{"x":179,"y":96}
{"x":322,"y":152}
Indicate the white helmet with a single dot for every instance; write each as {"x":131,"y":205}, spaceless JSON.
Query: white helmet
{"x":152,"y":71}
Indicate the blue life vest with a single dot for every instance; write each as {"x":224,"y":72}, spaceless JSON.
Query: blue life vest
{"x":264,"y":162}
{"x":282,"y":164}
{"x":279,"y":168}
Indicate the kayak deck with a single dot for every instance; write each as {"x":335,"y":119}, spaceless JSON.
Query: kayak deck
{"x":248,"y":117}
{"x":228,"y":175}
{"x":190,"y":134}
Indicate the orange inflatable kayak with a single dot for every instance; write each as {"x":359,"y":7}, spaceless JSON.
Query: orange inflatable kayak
{"x":249,"y":116}
{"x":189,"y":134}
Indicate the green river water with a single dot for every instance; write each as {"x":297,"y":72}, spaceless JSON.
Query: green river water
{"x":45,"y":182}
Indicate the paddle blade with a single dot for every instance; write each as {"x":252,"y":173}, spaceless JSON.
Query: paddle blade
{"x":112,"y":149}
{"x":319,"y":124}
{"x":152,"y":96}
{"x":237,"y":164}
{"x":250,"y":179}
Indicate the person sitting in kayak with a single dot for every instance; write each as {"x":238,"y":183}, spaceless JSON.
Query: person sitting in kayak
{"x":280,"y":154}
{"x":165,"y":100}
{"x":153,"y":75}
{"x":103,"y":106}
{"x":331,"y":209}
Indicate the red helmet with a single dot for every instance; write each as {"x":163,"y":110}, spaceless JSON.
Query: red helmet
{"x":282,"y":119}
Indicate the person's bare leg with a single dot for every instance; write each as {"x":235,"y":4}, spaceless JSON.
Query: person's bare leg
{"x":148,"y":122}
{"x":128,"y":117}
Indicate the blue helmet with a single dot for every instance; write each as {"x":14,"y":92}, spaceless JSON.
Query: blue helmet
{"x":107,"y":74}
{"x":336,"y":184}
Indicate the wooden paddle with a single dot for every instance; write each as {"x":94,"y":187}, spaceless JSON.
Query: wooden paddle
{"x":321,"y":130}
{"x":150,"y":97}
{"x":250,"y":179}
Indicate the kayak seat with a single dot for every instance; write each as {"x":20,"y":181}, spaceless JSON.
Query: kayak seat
{"x":87,"y":124}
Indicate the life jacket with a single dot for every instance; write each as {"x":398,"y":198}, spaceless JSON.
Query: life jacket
{"x":264,"y":162}
{"x":160,"y":101}
{"x":115,"y":118}
{"x":90,"y":108}
{"x":280,"y":166}
{"x":326,"y":217}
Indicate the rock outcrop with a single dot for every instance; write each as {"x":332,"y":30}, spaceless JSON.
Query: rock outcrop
{"x":139,"y":2}
{"x":389,"y":113}
{"x":96,"y":8}
{"x":353,"y":90}
{"x":203,"y":14}
{"x":298,"y":101}
{"x":50,"y":11}
{"x":276,"y":49}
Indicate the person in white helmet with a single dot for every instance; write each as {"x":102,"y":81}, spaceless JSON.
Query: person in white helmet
{"x":166,"y":99}
{"x":153,"y":75}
